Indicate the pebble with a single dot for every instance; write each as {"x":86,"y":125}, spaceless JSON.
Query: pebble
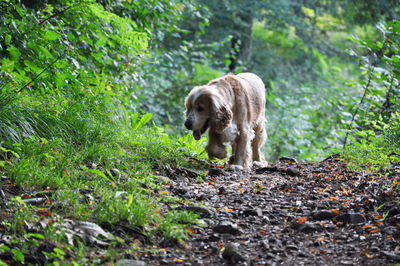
{"x":308,"y":227}
{"x":350,"y":218}
{"x":115,"y":172}
{"x":231,"y":253}
{"x":323,"y":215}
{"x":226,"y":228}
{"x":130,"y":263}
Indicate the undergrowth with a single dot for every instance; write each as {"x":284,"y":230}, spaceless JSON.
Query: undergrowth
{"x":104,"y":166}
{"x":374,"y":150}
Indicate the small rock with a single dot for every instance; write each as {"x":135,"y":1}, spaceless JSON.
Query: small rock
{"x":182,"y":190}
{"x":392,"y":255}
{"x":251,"y":212}
{"x":130,"y":263}
{"x":115,"y":172}
{"x":375,"y":249}
{"x":267,"y":169}
{"x":308,"y":227}
{"x":231,"y":253}
{"x":291,"y":247}
{"x":284,"y":159}
{"x":213,"y":172}
{"x":301,"y":188}
{"x":214,"y":237}
{"x":323,"y":215}
{"x":394,"y":220}
{"x":350,"y":218}
{"x":91,"y":165}
{"x":34,"y":200}
{"x":226,"y":228}
{"x":394,"y":211}
{"x":292,"y":171}
{"x":221,"y":190}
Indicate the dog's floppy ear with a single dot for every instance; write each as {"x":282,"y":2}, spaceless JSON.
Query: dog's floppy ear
{"x":221,"y":116}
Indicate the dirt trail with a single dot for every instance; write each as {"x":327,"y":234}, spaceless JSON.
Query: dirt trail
{"x":287,"y":213}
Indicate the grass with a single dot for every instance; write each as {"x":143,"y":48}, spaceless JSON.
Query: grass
{"x":374,"y":150}
{"x":88,"y":165}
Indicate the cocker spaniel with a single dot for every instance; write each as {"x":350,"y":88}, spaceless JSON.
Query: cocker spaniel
{"x":232,"y":107}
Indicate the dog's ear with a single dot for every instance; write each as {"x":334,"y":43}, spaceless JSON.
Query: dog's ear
{"x":221,"y":117}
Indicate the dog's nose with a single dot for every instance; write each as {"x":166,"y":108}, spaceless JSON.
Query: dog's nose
{"x":188,"y":124}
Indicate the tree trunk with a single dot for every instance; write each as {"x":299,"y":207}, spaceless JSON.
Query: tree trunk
{"x":246,"y":37}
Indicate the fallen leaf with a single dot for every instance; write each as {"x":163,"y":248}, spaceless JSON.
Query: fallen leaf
{"x":367,"y":226}
{"x":320,"y":238}
{"x":44,"y":212}
{"x":165,"y":192}
{"x":220,"y":244}
{"x":65,"y":171}
{"x":263,"y":232}
{"x":192,"y":231}
{"x":302,"y":219}
{"x":157,"y":211}
{"x":336,"y":211}
{"x":374,"y":231}
{"x":369,"y":256}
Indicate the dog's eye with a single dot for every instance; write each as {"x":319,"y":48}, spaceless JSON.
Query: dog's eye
{"x":200,"y":109}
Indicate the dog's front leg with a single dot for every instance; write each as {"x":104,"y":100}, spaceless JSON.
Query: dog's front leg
{"x":242,"y":151}
{"x":215,"y":147}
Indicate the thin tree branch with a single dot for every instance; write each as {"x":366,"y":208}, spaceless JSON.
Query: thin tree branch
{"x":55,"y":15}
{"x":38,"y":75}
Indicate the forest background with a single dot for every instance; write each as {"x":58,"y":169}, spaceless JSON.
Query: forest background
{"x":330,"y":67}
{"x":92,"y":94}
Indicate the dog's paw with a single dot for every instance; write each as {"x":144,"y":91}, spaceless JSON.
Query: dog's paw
{"x":259,"y":164}
{"x":235,"y":167}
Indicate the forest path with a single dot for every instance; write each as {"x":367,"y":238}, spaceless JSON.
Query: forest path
{"x":286,"y":213}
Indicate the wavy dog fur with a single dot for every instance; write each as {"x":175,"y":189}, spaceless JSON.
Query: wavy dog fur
{"x":232,"y":107}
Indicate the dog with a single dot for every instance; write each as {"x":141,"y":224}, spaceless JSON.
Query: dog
{"x":232,"y":107}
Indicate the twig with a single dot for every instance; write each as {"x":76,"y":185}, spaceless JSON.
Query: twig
{"x":55,"y":15}
{"x":52,"y":63}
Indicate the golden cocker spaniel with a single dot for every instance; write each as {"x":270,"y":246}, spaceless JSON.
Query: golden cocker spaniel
{"x":232,"y":107}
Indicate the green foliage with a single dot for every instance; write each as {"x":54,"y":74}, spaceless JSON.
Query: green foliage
{"x":373,"y":129}
{"x":69,"y":70}
{"x":368,"y":153}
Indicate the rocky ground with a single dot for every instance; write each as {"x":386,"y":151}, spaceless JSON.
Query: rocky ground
{"x":287,"y":213}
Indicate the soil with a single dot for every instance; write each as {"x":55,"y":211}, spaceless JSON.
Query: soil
{"x":287,"y":213}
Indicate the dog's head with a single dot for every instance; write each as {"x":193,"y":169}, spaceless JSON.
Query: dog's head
{"x":206,"y":108}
